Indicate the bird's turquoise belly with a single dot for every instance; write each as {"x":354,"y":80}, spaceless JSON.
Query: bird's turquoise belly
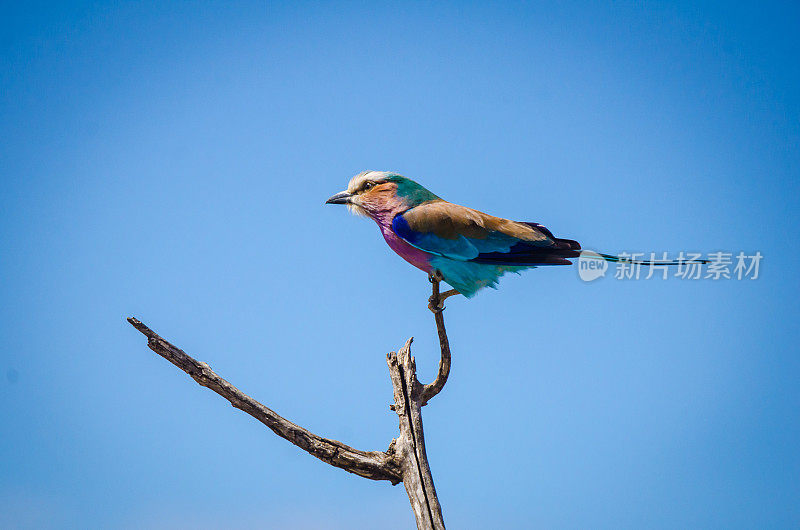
{"x":468,"y":277}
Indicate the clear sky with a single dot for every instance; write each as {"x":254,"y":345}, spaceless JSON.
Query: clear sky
{"x":170,"y":161}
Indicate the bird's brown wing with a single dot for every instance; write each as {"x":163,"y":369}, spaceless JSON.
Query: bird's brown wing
{"x":449,"y":221}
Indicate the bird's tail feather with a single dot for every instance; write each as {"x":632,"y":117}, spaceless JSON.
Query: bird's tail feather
{"x":624,"y":259}
{"x":559,"y":253}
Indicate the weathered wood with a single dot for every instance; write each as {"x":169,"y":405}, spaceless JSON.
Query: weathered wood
{"x":375,"y":465}
{"x":437,"y":385}
{"x":404,"y":461}
{"x":410,"y":445}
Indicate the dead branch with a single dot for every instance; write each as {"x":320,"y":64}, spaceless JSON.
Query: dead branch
{"x":437,"y":385}
{"x":404,"y":461}
{"x":375,"y":465}
{"x":410,"y":445}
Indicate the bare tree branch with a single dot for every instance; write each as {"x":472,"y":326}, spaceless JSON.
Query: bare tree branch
{"x":410,"y":445}
{"x":375,"y":465}
{"x":406,"y":459}
{"x":430,"y":390}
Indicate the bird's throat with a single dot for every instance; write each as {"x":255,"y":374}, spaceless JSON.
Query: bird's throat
{"x":418,"y":258}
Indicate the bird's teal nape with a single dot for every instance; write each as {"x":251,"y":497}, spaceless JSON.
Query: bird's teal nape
{"x":466,"y":248}
{"x":412,"y":192}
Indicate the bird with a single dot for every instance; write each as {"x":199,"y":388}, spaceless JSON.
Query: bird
{"x":468,"y":249}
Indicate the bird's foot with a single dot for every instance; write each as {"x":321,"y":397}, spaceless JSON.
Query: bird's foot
{"x":436,"y":303}
{"x":435,"y":276}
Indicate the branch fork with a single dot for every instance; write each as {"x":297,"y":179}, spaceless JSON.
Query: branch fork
{"x":404,"y":461}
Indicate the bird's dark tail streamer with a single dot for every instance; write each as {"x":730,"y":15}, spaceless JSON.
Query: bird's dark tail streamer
{"x":624,"y":259}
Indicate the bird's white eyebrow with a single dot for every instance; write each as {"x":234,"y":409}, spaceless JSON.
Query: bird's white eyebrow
{"x":357,"y":181}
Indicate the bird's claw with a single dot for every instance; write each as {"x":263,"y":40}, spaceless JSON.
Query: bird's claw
{"x":436,"y":300}
{"x":436,"y":306}
{"x":435,"y":276}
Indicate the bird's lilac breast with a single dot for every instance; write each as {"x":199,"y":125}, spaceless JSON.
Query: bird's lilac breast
{"x":418,"y":258}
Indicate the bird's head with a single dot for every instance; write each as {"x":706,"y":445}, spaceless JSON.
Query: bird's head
{"x":373,"y":193}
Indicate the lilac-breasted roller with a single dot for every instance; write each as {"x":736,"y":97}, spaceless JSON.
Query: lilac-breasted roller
{"x":469,"y":249}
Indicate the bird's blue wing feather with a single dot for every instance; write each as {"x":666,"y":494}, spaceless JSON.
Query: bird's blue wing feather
{"x":460,"y":248}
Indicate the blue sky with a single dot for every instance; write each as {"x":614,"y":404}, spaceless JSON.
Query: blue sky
{"x":169,"y":161}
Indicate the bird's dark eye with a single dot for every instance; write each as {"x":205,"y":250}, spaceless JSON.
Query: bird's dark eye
{"x":368,"y":186}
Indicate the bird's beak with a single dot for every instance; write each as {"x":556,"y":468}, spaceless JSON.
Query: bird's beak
{"x":342,"y":197}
